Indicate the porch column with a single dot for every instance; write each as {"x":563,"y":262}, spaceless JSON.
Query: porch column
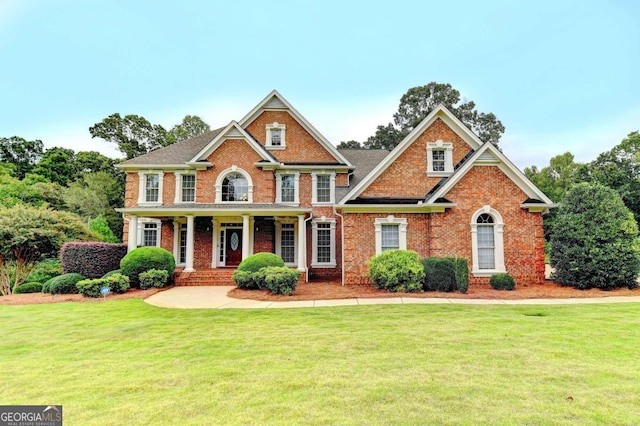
{"x":214,"y":241}
{"x":132,"y":240}
{"x":176,"y":240}
{"x":245,"y":236}
{"x":189,"y":260}
{"x":302,"y":250}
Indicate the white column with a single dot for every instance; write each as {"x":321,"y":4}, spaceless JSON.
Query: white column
{"x":214,"y":241}
{"x":302,"y":249}
{"x":189,"y":261}
{"x":176,"y":239}
{"x":245,"y":236}
{"x":132,"y":241}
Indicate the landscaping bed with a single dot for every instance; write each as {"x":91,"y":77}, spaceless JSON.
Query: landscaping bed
{"x":42,"y":298}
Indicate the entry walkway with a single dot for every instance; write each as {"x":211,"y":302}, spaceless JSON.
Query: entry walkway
{"x":216,"y":298}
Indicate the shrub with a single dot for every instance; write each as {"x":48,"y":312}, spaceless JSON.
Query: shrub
{"x":397,"y":270}
{"x":594,"y":240}
{"x":92,"y":260}
{"x":439,"y":274}
{"x":245,"y":280}
{"x":153,"y":278}
{"x":46,"y":287}
{"x":280,"y":279}
{"x":100,"y":226}
{"x":117,"y":283}
{"x":64,"y":284}
{"x":145,"y":258}
{"x":461,"y":270}
{"x":46,"y":270}
{"x":258,"y":261}
{"x":30,"y":287}
{"x":502,"y":282}
{"x":115,"y":271}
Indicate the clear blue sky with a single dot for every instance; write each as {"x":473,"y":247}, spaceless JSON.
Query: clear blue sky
{"x":560,"y":75}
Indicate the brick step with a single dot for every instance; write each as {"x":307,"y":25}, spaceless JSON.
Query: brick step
{"x":205,"y":277}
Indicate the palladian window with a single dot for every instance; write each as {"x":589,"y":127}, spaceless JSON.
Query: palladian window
{"x":235,"y":187}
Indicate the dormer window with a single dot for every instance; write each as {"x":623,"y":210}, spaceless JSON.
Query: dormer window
{"x":276,"y":136}
{"x":439,"y":158}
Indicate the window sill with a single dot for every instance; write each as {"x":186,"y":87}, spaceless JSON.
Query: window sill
{"x":323,"y":265}
{"x":150,"y":203}
{"x":276,"y":147}
{"x":486,"y":272}
{"x":439,"y":174}
{"x":328,"y":203}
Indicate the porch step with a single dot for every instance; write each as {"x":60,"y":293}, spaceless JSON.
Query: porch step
{"x":221,"y":276}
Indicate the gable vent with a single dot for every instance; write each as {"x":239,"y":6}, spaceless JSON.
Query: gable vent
{"x":275,"y":102}
{"x":488,"y":157}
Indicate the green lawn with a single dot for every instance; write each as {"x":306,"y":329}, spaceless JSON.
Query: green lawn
{"x":124,"y":362}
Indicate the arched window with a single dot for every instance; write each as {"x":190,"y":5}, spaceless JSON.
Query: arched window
{"x":234,"y":185}
{"x":235,"y":188}
{"x":487,"y":242}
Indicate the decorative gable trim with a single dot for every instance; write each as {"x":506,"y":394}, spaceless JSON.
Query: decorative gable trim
{"x":440,"y":112}
{"x":232,"y":131}
{"x":275,"y":101}
{"x":490,"y":155}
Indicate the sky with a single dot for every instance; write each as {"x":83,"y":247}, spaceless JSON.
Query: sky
{"x":560,"y":75}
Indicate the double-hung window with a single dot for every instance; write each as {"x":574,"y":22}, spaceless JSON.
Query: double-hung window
{"x":276,"y":136}
{"x":287,"y":184}
{"x":323,"y":187}
{"x":390,"y":233}
{"x":149,"y":232}
{"x":150,"y":188}
{"x":188,"y":188}
{"x":439,"y":158}
{"x":487,"y":242}
{"x":324,"y":243}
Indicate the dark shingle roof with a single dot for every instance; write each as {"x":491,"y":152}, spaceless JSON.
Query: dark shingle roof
{"x":178,"y":153}
{"x":364,"y":161}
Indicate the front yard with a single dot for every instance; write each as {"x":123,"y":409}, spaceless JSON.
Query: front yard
{"x":125,"y":362}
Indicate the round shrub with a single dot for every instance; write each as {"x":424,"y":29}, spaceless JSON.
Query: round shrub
{"x":258,"y":261}
{"x":245,"y":280}
{"x":145,"y":258}
{"x":153,"y":278}
{"x":118,"y":283}
{"x":64,"y":284}
{"x":502,"y":282}
{"x":30,"y":287}
{"x":397,"y":270}
{"x":280,"y":279}
{"x":115,"y":271}
{"x":439,"y":274}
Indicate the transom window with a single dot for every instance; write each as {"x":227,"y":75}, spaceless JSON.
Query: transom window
{"x":235,"y":187}
{"x":486,"y":242}
{"x":437,"y":157}
{"x":152,"y":188}
{"x":188,"y":188}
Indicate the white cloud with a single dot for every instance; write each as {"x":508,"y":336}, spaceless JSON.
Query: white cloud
{"x":78,"y":138}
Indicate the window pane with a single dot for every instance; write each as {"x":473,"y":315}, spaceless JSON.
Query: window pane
{"x":287,"y":243}
{"x":288,"y":189}
{"x":150,"y":235}
{"x":390,"y":237}
{"x":323,"y":188}
{"x":188,"y":188}
{"x":324,"y":243}
{"x":486,"y":247}
{"x":152,"y":185}
{"x":235,"y":188}
{"x":276,"y":137}
{"x":183,"y":244}
{"x":437,"y":158}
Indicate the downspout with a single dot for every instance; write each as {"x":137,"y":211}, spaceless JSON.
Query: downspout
{"x":306,"y":260}
{"x":335,"y":212}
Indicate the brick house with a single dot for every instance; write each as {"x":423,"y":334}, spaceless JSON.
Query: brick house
{"x":271,"y":182}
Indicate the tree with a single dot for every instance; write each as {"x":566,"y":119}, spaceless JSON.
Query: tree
{"x":28,"y":234}
{"x":349,"y":145}
{"x":594,"y":241}
{"x":93,"y":161}
{"x":386,"y":137}
{"x":555,"y":179}
{"x":57,"y":165}
{"x":100,"y":226}
{"x":133,"y":134}
{"x":191,"y":126}
{"x":23,"y":154}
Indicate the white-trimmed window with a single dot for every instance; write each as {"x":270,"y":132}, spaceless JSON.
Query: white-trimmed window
{"x":391,"y":234}
{"x":286,"y":238}
{"x":324,"y":243}
{"x":150,"y":187}
{"x":276,"y":133}
{"x":234,"y":185}
{"x":323,"y":187}
{"x":487,"y":242}
{"x":287,"y":187}
{"x":439,"y":158}
{"x":149,"y":232}
{"x":185,"y":187}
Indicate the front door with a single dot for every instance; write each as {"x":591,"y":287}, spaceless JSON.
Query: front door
{"x":233,"y":246}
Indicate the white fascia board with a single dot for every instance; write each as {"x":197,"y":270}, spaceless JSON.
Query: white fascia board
{"x":135,"y":167}
{"x":253,"y":114}
{"x":207,"y":211}
{"x":397,"y":208}
{"x":222,"y":136}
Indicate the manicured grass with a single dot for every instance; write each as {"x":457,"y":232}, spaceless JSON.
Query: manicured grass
{"x":124,"y":362}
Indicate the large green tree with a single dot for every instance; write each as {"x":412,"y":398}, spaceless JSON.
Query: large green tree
{"x":23,"y":154}
{"x":58,"y":165}
{"x":190,"y":127}
{"x":133,"y":134}
{"x":594,"y":240}
{"x":556,"y":179}
{"x":28,"y":234}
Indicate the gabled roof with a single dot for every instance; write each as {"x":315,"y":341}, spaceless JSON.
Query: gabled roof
{"x":489,"y":154}
{"x":275,"y":101}
{"x":177,"y":154}
{"x":232,"y":131}
{"x":364,"y":161}
{"x":440,"y":112}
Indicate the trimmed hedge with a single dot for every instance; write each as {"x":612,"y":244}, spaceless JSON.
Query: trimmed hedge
{"x":92,"y":260}
{"x":64,"y":284}
{"x":117,"y":283}
{"x":115,"y":271}
{"x":280,"y":279}
{"x":245,"y":280}
{"x":461,"y":270}
{"x":145,"y":258}
{"x":153,"y":278}
{"x":30,"y":287}
{"x":502,"y":282}
{"x":397,"y":270}
{"x":258,"y":261}
{"x":439,"y":274}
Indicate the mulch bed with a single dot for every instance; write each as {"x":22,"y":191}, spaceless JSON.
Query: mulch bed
{"x":41,"y":298}
{"x":333,"y":290}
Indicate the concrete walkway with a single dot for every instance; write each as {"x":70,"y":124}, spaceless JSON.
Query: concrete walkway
{"x":216,"y":298}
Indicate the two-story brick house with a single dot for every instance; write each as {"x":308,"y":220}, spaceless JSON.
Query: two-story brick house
{"x":271,"y":182}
